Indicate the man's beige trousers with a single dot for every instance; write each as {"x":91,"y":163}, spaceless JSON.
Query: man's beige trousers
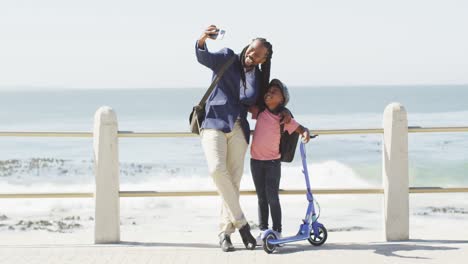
{"x":225,"y":153}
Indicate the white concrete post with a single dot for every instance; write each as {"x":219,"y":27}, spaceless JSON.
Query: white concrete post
{"x":106,"y":170}
{"x":395,"y":173}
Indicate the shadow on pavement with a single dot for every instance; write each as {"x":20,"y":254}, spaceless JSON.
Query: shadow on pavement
{"x":388,"y":249}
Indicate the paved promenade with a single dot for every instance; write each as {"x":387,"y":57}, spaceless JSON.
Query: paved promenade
{"x":342,"y":247}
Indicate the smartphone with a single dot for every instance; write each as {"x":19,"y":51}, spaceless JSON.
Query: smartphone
{"x":219,"y":35}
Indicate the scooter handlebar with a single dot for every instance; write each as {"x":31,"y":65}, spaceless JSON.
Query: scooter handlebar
{"x":311,"y":137}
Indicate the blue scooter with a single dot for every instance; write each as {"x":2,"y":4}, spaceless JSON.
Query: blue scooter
{"x":310,"y":229}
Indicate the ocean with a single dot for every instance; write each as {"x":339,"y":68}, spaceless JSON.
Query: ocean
{"x":335,"y":161}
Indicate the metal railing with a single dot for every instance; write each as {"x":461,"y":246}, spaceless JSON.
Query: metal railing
{"x":131,"y":134}
{"x":134,"y":194}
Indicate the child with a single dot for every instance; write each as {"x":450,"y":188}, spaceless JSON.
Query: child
{"x":265,"y":163}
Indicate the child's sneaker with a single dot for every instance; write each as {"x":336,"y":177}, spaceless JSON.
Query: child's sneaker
{"x":278,"y":236}
{"x":259,"y":239}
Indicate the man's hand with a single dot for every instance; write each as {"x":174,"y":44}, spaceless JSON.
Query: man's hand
{"x":209,"y":31}
{"x":285,"y":116}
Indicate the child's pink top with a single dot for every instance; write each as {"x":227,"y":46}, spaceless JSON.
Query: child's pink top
{"x":267,"y":135}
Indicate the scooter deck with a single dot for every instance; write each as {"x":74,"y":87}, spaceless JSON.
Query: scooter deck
{"x":285,"y":240}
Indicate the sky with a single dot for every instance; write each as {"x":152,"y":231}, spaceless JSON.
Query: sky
{"x":151,"y":44}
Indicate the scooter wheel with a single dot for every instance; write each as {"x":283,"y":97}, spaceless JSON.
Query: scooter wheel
{"x":269,"y":248}
{"x":320,"y":238}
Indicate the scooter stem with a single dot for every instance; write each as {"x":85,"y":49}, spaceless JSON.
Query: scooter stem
{"x":304,"y":168}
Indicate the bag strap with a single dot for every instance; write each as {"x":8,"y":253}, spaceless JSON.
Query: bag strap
{"x":281,"y":129}
{"x":282,"y":124}
{"x":215,"y":82}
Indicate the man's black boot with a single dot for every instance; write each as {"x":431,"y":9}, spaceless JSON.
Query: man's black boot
{"x":249,"y":241}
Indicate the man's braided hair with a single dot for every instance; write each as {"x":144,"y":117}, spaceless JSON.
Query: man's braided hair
{"x":264,"y":69}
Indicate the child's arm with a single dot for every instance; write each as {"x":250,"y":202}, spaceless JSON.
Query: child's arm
{"x":304,"y":132}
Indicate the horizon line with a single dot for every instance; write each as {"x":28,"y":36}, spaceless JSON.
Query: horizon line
{"x":302,"y":86}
